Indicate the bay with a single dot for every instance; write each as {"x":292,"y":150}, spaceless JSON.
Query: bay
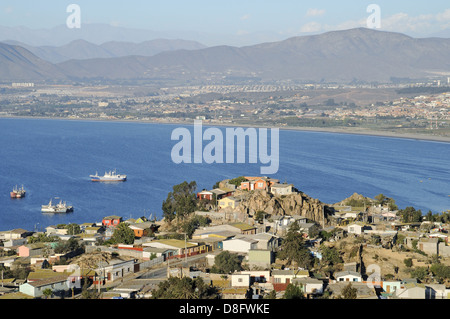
{"x":54,"y":158}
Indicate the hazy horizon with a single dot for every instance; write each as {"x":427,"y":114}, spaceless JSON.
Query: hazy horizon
{"x":212,"y":23}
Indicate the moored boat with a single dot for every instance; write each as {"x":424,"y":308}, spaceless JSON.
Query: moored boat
{"x":18,"y":192}
{"x":110,"y":176}
{"x":61,"y":207}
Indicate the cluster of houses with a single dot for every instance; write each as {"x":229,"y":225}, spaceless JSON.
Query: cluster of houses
{"x":224,"y":196}
{"x":255,"y":242}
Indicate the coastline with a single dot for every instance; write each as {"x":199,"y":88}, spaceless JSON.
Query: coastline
{"x":335,"y":130}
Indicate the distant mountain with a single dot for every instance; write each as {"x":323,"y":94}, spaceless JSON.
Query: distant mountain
{"x":82,"y":50}
{"x":441,"y":34}
{"x":18,"y":64}
{"x":98,"y":33}
{"x":338,"y":56}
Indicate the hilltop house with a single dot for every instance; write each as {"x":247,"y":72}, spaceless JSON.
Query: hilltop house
{"x":282,"y":278}
{"x":141,"y":229}
{"x":282,"y":189}
{"x":348,"y":276}
{"x":229,"y":202}
{"x":111,"y":221}
{"x":58,"y":284}
{"x":311,"y":286}
{"x":260,"y":258}
{"x":239,"y":245}
{"x":14,"y":234}
{"x":255,"y":183}
{"x":181,"y":247}
{"x":30,"y":250}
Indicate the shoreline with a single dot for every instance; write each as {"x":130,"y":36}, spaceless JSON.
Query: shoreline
{"x":336,"y":130}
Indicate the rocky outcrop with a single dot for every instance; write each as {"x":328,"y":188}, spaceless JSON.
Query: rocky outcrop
{"x":293,"y":204}
{"x":355,"y":200}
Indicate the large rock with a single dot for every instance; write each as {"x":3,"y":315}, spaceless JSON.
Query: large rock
{"x":294,"y":204}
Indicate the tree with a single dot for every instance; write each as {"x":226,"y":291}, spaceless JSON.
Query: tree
{"x":73,"y":229}
{"x":237,"y":181}
{"x":380,"y":199}
{"x":226,"y":263}
{"x":349,"y":292}
{"x":47,"y":293}
{"x":410,"y":215}
{"x":66,"y":246}
{"x":330,"y":255}
{"x":191,"y":225}
{"x":293,"y":249}
{"x":419,"y":273}
{"x":408,"y":262}
{"x":293,"y":292}
{"x":440,"y":271}
{"x":181,"y":201}
{"x":260,"y":216}
{"x":123,"y":234}
{"x":184,"y":288}
{"x":271,"y":295}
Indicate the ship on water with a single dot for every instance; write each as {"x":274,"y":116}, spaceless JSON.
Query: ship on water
{"x":61,"y":207}
{"x":110,"y":176}
{"x":18,"y":192}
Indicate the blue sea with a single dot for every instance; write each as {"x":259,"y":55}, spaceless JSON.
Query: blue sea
{"x":54,"y":158}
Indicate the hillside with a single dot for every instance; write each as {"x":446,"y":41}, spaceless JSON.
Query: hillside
{"x":339,"y":56}
{"x":19,"y":64}
{"x":84,"y":50}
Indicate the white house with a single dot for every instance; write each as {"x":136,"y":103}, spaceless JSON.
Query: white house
{"x":411,"y":291}
{"x":310,"y":285}
{"x":240,"y":280}
{"x":115,"y":269}
{"x":355,"y":228}
{"x":282,"y":189}
{"x":348,"y":276}
{"x":286,"y":276}
{"x":14,"y":242}
{"x":239,"y":245}
{"x":36,"y":288}
{"x":265,"y":241}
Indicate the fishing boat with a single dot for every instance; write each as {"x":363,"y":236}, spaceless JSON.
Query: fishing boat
{"x":18,"y":192}
{"x":110,"y":176}
{"x":61,"y":207}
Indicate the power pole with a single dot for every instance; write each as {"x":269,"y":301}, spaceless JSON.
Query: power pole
{"x":185,"y":248}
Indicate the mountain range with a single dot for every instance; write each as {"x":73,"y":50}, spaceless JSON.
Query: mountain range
{"x":83,"y":50}
{"x":339,"y":56}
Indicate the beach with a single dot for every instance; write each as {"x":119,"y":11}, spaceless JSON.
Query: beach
{"x":338,"y":130}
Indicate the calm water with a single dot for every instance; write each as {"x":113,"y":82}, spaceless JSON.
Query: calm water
{"x":54,"y":158}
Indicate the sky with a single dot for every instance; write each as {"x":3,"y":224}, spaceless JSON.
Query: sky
{"x":284,"y":18}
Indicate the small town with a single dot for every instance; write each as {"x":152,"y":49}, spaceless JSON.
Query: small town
{"x":419,"y":108}
{"x":250,"y":237}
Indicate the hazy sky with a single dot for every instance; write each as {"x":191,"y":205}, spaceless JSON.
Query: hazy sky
{"x":283,"y":17}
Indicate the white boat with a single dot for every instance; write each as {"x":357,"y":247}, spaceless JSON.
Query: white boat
{"x":61,"y":207}
{"x":110,"y":176}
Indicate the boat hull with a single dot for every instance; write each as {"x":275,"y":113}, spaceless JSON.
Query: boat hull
{"x":56,"y":210}
{"x":112,"y":179}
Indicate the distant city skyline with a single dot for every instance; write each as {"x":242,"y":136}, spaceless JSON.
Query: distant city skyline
{"x":233,"y":20}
